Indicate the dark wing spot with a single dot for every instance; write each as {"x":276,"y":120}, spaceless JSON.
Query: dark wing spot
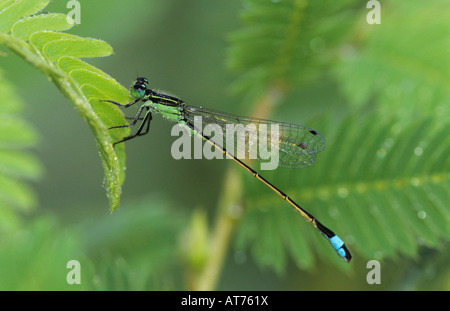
{"x":313,"y":132}
{"x":303,"y":145}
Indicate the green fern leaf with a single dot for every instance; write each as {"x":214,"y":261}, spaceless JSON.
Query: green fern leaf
{"x":406,"y":74}
{"x":55,"y":45}
{"x":48,"y":244}
{"x":11,"y":13}
{"x":16,"y":165}
{"x":25,"y":27}
{"x":382,"y":182}
{"x":37,"y":40}
{"x":153,"y":262}
{"x":280,"y":37}
{"x":380,"y":185}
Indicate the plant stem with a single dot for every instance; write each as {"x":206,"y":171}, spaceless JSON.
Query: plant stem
{"x":230,"y":206}
{"x":229,"y":213}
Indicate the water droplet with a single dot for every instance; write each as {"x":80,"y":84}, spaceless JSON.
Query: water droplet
{"x":415,"y":181}
{"x":379,"y":254}
{"x":348,"y":53}
{"x":421,"y":214}
{"x":418,"y":151}
{"x":381,"y":153}
{"x":342,"y":192}
{"x":361,"y":187}
{"x":388,"y":142}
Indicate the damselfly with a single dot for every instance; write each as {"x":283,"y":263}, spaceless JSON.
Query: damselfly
{"x":297,"y":145}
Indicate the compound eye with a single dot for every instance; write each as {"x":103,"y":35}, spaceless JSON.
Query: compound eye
{"x":141,"y":80}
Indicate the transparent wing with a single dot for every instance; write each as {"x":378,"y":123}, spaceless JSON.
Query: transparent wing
{"x":295,"y":145}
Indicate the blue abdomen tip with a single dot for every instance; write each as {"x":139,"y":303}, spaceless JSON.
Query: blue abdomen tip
{"x":337,"y":243}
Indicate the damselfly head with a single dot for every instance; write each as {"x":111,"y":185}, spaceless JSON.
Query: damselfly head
{"x":141,"y":80}
{"x":139,"y":87}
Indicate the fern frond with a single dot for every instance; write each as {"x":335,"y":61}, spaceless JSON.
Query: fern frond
{"x":16,"y":165}
{"x":37,"y":39}
{"x":402,"y":63}
{"x":382,"y":182}
{"x":284,"y":42}
{"x":380,"y":185}
{"x":149,"y":233}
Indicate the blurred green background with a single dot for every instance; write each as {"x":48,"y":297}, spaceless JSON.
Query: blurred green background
{"x":378,"y":93}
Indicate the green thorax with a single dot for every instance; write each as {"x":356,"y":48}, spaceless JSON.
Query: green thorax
{"x":170,"y":110}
